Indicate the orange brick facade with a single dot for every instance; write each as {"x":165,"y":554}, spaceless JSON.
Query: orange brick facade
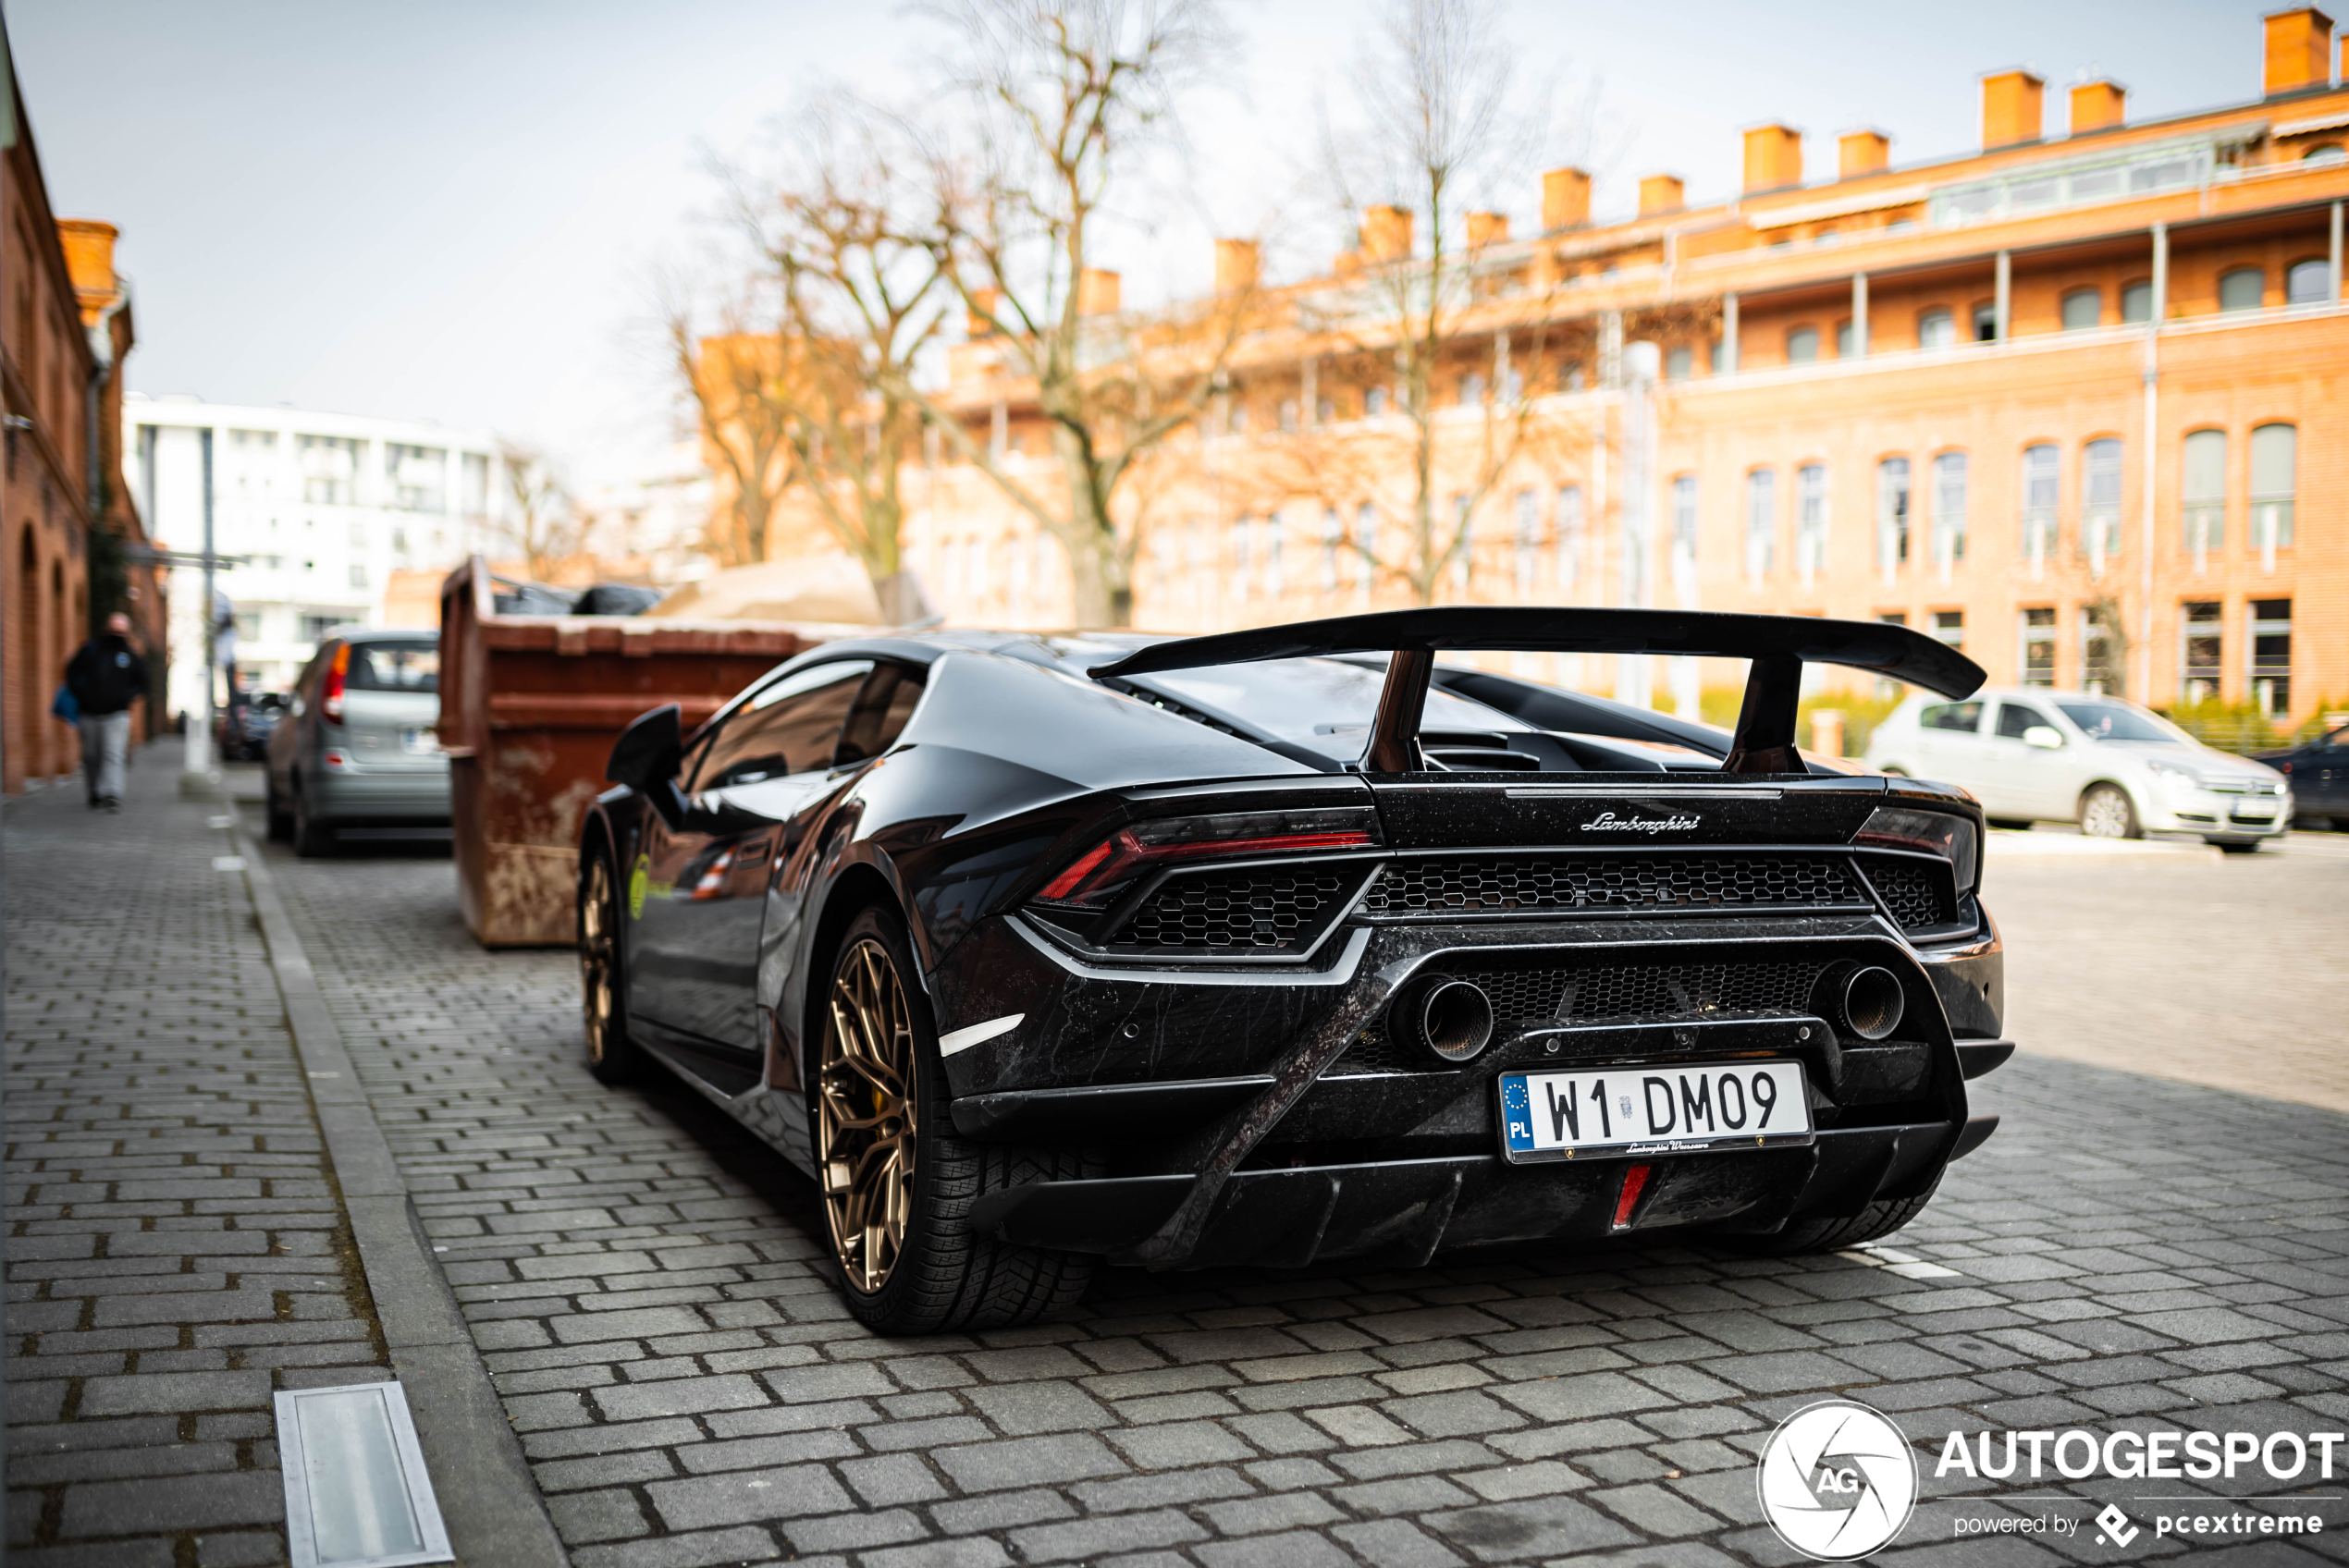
{"x":2060,"y":313}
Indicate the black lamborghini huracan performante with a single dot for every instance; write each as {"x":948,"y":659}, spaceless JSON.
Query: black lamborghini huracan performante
{"x":1295,"y":945}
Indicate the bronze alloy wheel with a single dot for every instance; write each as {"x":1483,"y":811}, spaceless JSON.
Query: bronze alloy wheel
{"x":598,"y":959}
{"x":865,"y":1115}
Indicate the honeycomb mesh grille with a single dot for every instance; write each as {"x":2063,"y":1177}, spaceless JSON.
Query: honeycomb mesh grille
{"x":1910,"y":891}
{"x":1266,"y":910}
{"x":1533,"y":884}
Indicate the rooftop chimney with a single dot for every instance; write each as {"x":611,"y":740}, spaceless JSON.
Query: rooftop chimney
{"x":2299,"y":51}
{"x":1487,"y":228}
{"x":1386,"y":234}
{"x":1096,"y":292}
{"x":1773,"y":158}
{"x":2099,"y":106}
{"x":1863,"y":151}
{"x":2011,"y":108}
{"x":89,"y":247}
{"x":1238,"y":262}
{"x":1566,"y":198}
{"x":1660,"y":193}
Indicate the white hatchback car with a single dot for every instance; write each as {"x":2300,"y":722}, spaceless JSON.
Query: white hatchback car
{"x":2031,"y":754}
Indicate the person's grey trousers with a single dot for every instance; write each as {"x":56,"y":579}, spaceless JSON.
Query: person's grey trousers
{"x":106,"y":753}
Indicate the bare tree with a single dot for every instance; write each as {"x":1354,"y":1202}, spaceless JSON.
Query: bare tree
{"x":541,"y":521}
{"x":1442,"y":314}
{"x":858,"y":304}
{"x":733,"y":378}
{"x":1068,"y":101}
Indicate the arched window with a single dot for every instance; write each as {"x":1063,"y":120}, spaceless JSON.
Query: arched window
{"x":2241,"y":289}
{"x":1936,"y":329}
{"x":2275,"y":456}
{"x":1892,"y":513}
{"x":1809,"y":520}
{"x":2042,"y":494}
{"x":1802,"y":345}
{"x":2100,"y":503}
{"x":1760,"y":522}
{"x":2204,"y":491}
{"x":1949,"y":508}
{"x":2308,"y":282}
{"x":2083,"y":307}
{"x":2325,"y":153}
{"x":2136,"y":301}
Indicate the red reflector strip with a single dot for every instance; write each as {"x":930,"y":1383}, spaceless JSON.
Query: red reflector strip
{"x":1635,"y":1181}
{"x":1066,"y":883}
{"x":1277,"y":844}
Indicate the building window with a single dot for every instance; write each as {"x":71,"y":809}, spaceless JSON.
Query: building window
{"x":1679,"y":363}
{"x":1986,"y":323}
{"x":1760,"y":522}
{"x":1949,"y":508}
{"x":318,"y":628}
{"x":2241,"y":289}
{"x":2083,"y":307}
{"x":1802,"y":345}
{"x":2204,"y":493}
{"x":1569,"y":537}
{"x":2042,"y":495}
{"x":329,"y":471}
{"x":1810,"y":520}
{"x":2100,"y":669}
{"x":416,"y":477}
{"x":2201,"y":651}
{"x":1950,"y":626}
{"x":1936,"y":329}
{"x":1684,"y":530}
{"x":2100,"y":503}
{"x":2039,"y":647}
{"x":1471,"y":391}
{"x":1332,"y":534}
{"x":1892,"y":513}
{"x":2272,"y":656}
{"x":2274,"y":457}
{"x":1529,"y":528}
{"x":2309,"y":282}
{"x":2136,"y":302}
{"x":2325,"y":153}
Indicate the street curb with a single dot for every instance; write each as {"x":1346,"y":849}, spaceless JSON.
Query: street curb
{"x":488,"y":1499}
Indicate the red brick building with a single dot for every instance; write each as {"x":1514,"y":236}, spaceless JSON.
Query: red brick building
{"x":65,"y":328}
{"x":2075,"y":400}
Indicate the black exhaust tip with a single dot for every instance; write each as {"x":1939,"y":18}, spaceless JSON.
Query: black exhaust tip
{"x":1454,"y":1019}
{"x":1870,"y":1002}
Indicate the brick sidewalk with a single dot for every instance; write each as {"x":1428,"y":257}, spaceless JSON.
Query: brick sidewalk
{"x":175,"y":1248}
{"x":644,"y":1283}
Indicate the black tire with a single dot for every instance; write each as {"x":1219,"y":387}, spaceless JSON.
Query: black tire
{"x":2106,"y":812}
{"x":938,"y":1274}
{"x":2014,"y":824}
{"x":281,"y":819}
{"x":2234,"y":846}
{"x":1871,"y":1224}
{"x":311,"y":838}
{"x":613,"y":1056}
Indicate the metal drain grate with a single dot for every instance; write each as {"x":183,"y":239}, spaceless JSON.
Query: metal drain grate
{"x":356,"y":1492}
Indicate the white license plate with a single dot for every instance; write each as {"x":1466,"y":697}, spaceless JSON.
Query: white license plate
{"x":1681,"y":1107}
{"x":419,"y":740}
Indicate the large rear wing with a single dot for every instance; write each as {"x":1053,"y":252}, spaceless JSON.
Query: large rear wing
{"x":1779,"y":645}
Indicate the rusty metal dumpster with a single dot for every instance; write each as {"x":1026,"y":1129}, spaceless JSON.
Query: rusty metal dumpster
{"x":530,"y":706}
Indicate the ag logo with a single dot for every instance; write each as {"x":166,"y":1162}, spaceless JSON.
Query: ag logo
{"x":639,"y":880}
{"x":1838,"y":1480}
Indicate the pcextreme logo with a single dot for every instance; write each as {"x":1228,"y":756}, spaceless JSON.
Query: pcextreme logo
{"x":1838,"y":1480}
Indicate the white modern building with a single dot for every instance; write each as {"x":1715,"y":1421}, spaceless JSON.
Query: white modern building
{"x":322,"y":508}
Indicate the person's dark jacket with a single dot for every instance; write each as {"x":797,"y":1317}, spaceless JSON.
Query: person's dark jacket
{"x":106,"y":675}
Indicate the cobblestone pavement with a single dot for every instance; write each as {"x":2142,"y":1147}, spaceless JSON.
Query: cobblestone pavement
{"x":643,"y":1281}
{"x":175,"y":1250}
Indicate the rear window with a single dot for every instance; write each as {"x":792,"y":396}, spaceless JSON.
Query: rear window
{"x":393,"y":667}
{"x":2116,"y":721}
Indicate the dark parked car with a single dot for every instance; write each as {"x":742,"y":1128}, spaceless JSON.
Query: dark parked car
{"x":2318,"y":773}
{"x":1294,"y":945}
{"x":247,"y":723}
{"x":357,"y":747}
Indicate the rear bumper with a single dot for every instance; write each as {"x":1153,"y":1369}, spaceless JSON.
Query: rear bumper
{"x":1403,"y":1211}
{"x":342,"y":796}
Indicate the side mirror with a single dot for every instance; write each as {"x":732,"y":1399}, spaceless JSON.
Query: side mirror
{"x":2042,"y":736}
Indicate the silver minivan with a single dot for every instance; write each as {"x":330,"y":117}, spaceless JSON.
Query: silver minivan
{"x":357,"y":747}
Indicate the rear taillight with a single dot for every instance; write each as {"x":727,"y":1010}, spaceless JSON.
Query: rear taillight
{"x":1927,"y":832}
{"x":1113,"y":862}
{"x":330,"y":698}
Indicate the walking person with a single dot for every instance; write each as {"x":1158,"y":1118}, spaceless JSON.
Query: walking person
{"x":105,"y":677}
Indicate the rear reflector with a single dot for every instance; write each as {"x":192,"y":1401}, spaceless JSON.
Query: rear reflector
{"x":1635,"y":1181}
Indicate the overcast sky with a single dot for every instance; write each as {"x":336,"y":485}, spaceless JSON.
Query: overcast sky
{"x":443,"y":209}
